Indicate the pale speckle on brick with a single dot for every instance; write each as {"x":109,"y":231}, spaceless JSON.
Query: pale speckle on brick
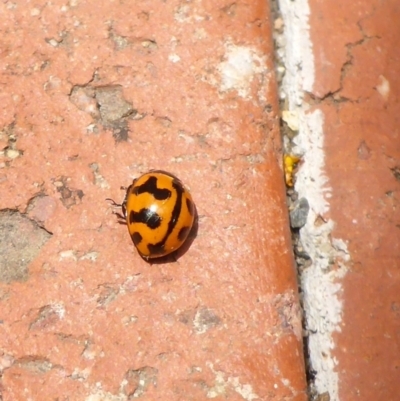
{"x":241,"y":66}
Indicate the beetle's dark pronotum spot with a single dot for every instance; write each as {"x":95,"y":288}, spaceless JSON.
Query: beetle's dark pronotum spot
{"x":190,"y":206}
{"x":146,"y":216}
{"x":183,"y":233}
{"x":150,"y":186}
{"x":156,"y":249}
{"x":136,"y":238}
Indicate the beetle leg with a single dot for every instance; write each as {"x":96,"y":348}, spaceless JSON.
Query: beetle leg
{"x":113,"y":203}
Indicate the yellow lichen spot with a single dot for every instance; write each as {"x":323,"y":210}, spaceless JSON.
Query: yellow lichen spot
{"x":289,"y":164}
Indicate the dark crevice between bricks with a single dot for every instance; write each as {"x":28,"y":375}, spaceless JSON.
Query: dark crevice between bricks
{"x":298,"y":208}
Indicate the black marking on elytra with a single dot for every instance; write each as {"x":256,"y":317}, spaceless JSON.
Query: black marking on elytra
{"x":177,"y":253}
{"x":156,"y":249}
{"x":183,"y":233}
{"x":190,"y":206}
{"x":150,"y":186}
{"x":177,"y":207}
{"x":145,"y":216}
{"x":136,"y":238}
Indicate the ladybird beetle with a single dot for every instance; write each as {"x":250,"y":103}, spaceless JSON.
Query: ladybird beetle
{"x":159,"y":212}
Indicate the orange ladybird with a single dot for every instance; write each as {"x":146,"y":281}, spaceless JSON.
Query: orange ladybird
{"x":159,"y":212}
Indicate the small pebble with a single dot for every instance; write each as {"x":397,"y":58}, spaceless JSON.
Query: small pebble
{"x":299,"y":213}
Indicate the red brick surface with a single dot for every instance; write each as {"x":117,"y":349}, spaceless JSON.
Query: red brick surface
{"x":93,"y":95}
{"x":358,"y":72}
